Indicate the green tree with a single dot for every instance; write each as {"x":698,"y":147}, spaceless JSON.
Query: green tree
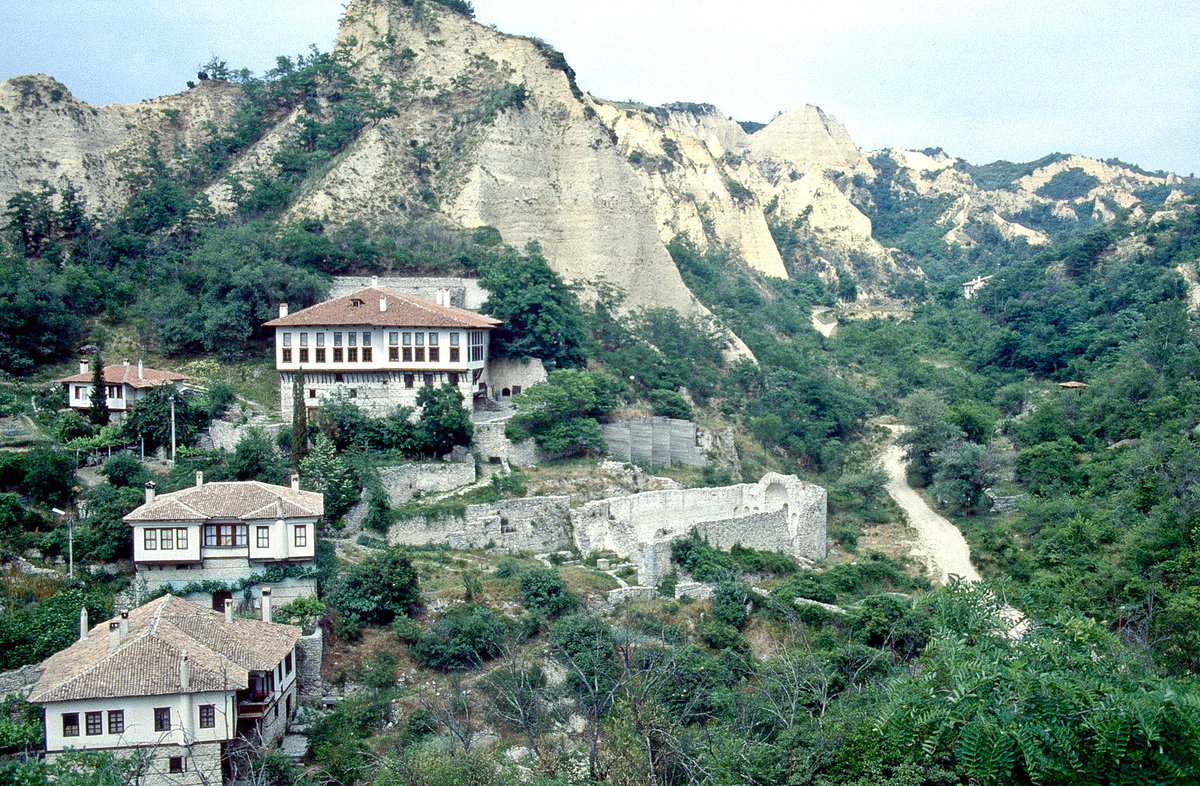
{"x":377,"y":590}
{"x":543,"y":592}
{"x":299,"y":421}
{"x":962,"y":471}
{"x":150,"y":419}
{"x":324,"y":470}
{"x":255,"y":458}
{"x":49,"y":476}
{"x":540,"y":313}
{"x":98,"y":403}
{"x":927,"y":431}
{"x":461,"y":639}
{"x":444,"y":421}
{"x":560,"y":413}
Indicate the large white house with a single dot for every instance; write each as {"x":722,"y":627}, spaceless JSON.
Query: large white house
{"x":378,"y":347}
{"x":179,"y":682}
{"x":124,"y":385}
{"x":224,"y":531}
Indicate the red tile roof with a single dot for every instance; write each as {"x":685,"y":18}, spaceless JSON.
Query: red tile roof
{"x":127,"y":374}
{"x":246,"y":500}
{"x":146,"y":662}
{"x":402,"y":310}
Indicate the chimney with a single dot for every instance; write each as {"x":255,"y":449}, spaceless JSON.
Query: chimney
{"x":374,"y":282}
{"x":266,"y":604}
{"x":382,"y":303}
{"x":282,"y":310}
{"x":199,"y":478}
{"x":229,"y":611}
{"x":125,"y":361}
{"x":114,"y":635}
{"x":149,"y":491}
{"x":140,"y":374}
{"x":295,"y":481}
{"x":83,"y":623}
{"x":83,"y":366}
{"x":124,"y":623}
{"x":185,"y":672}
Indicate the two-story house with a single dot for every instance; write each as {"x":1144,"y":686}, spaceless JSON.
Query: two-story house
{"x":175,"y":681}
{"x":225,"y":531}
{"x":124,"y":385}
{"x":378,"y":347}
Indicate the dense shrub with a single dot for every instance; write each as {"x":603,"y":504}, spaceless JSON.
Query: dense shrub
{"x":462,"y":638}
{"x":543,"y":592}
{"x":378,"y":589}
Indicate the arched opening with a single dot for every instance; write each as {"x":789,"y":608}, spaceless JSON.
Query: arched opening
{"x":505,"y":392}
{"x":775,"y":497}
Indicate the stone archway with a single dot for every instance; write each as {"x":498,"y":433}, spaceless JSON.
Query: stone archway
{"x":775,"y":496}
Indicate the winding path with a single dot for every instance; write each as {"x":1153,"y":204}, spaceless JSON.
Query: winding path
{"x":939,"y":543}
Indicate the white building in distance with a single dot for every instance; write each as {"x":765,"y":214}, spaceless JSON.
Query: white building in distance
{"x":124,"y":385}
{"x":225,"y":531}
{"x":378,"y":347}
{"x":178,"y":682}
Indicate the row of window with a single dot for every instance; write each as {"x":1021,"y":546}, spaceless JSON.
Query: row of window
{"x":395,"y":338}
{"x":111,"y":391}
{"x":165,"y":539}
{"x":237,"y":535}
{"x":410,"y":381}
{"x":94,"y":721}
{"x":395,"y":355}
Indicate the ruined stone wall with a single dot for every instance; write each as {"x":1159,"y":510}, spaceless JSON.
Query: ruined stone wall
{"x":492,"y":445}
{"x":662,"y":442}
{"x":309,"y":652}
{"x":406,"y":480}
{"x":526,"y":524}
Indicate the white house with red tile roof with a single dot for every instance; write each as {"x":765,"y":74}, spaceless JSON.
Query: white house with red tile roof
{"x":225,"y":531}
{"x":379,"y":346}
{"x":177,"y":681}
{"x":124,"y":384}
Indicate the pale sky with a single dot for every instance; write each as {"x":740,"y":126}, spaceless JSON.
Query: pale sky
{"x":983,"y":79}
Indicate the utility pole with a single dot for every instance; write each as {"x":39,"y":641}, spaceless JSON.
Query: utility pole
{"x":70,"y":540}
{"x":172,"y":427}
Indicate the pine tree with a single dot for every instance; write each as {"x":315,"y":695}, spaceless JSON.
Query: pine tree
{"x":98,"y":409}
{"x":299,"y":421}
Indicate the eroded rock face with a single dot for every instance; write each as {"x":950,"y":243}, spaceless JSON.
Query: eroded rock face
{"x":46,"y":134}
{"x":808,"y":139}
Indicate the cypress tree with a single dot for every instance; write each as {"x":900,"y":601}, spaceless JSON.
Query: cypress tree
{"x":98,"y":409}
{"x":299,"y":421}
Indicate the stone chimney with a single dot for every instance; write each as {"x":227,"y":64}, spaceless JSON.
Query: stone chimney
{"x":279,"y":507}
{"x":266,"y":604}
{"x":295,"y":481}
{"x":124,"y":361}
{"x":124,"y":623}
{"x":382,"y":303}
{"x":374,"y":282}
{"x":83,"y":366}
{"x":83,"y":623}
{"x":185,"y":672}
{"x":141,"y":374}
{"x":149,"y":491}
{"x":229,"y":611}
{"x":283,"y":310}
{"x":199,"y":478}
{"x":114,"y":635}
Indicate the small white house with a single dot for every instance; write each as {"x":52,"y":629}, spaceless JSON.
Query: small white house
{"x":224,"y":531}
{"x":974,"y":285}
{"x":379,"y":347}
{"x":175,"y":680}
{"x":124,"y":385}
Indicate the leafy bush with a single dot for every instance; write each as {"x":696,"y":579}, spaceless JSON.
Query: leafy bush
{"x":506,"y":568}
{"x":462,"y":638}
{"x":543,"y":592}
{"x":670,"y":403}
{"x":560,"y":413}
{"x":124,"y":469}
{"x":707,"y":563}
{"x":405,"y":629}
{"x":378,"y":589}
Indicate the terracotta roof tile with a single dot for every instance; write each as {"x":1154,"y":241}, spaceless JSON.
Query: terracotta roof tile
{"x":147,"y":660}
{"x":403,"y":310}
{"x":245,"y":500}
{"x":127,"y":374}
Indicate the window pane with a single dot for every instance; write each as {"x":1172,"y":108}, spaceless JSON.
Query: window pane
{"x":167,"y":538}
{"x":162,"y":718}
{"x":420,"y":339}
{"x":116,"y":721}
{"x":181,"y":538}
{"x":264,"y":537}
{"x":150,"y":540}
{"x":366,"y":339}
{"x":208,"y":716}
{"x":70,"y":724}
{"x":95,"y":723}
{"x":454,"y":339}
{"x":407,"y":339}
{"x":304,"y":339}
{"x":320,"y":339}
{"x":241,"y":535}
{"x":287,"y":339}
{"x":433,"y":339}
{"x":337,"y":339}
{"x":393,"y":338}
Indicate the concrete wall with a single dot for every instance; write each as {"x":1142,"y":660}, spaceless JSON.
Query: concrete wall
{"x":659,"y":441}
{"x":526,"y":524}
{"x":464,"y":292}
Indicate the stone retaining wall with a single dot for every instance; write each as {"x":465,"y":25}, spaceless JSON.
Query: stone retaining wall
{"x":492,"y":445}
{"x":525,"y":524}
{"x":660,"y":441}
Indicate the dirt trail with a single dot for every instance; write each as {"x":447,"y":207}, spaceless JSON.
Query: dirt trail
{"x":819,"y":315}
{"x":939,"y":543}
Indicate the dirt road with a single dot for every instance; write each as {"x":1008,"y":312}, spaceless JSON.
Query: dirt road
{"x":824,"y":321}
{"x":939,"y":543}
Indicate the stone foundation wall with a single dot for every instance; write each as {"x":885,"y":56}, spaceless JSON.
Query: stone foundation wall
{"x":662,"y":442}
{"x":377,"y":393}
{"x":202,"y":764}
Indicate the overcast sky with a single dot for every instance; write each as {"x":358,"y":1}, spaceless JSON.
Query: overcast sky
{"x":983,"y":79}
